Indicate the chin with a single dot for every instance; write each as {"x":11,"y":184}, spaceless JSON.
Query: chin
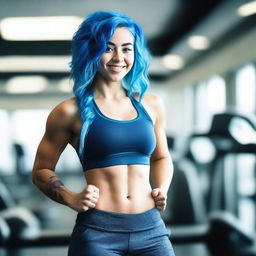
{"x":116,"y":78}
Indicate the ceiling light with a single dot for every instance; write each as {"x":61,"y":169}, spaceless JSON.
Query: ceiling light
{"x":26,"y":84}
{"x":174,"y":62}
{"x":199,"y":42}
{"x":247,"y":9}
{"x":39,"y":28}
{"x":35,"y":64}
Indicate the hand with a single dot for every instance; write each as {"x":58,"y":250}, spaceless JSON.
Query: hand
{"x":160,"y":199}
{"x":85,"y":200}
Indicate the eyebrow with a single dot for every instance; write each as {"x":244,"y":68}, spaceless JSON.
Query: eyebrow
{"x":125,"y":44}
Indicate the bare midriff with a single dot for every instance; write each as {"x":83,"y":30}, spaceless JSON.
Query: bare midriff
{"x":122,"y":188}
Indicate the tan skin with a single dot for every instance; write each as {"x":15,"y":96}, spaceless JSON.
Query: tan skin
{"x":121,"y":188}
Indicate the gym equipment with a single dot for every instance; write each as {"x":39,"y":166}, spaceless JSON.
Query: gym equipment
{"x":19,"y":157}
{"x":223,"y":235}
{"x":185,"y":204}
{"x":6,"y":200}
{"x":22,"y":223}
{"x":44,"y":214}
{"x":4,"y":231}
{"x":230,"y":133}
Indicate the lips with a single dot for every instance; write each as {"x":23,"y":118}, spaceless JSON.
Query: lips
{"x":116,"y":68}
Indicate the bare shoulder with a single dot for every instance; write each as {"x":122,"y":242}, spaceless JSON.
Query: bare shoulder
{"x":152,"y":99}
{"x":156,"y":105}
{"x":63,"y":114}
{"x":155,"y":102}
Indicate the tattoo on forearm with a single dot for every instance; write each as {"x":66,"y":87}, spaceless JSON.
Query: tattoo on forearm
{"x":54,"y":186}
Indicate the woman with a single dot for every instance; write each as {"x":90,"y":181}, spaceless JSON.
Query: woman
{"x":118,"y":132}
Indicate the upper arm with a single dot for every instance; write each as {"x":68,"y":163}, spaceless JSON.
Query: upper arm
{"x":56,"y":137}
{"x":161,"y":150}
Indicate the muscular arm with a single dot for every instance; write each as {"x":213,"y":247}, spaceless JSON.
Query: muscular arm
{"x":161,"y":167}
{"x":58,"y":133}
{"x":57,"y":136}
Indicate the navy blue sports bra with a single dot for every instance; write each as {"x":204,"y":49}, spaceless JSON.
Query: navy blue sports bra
{"x":113,"y":142}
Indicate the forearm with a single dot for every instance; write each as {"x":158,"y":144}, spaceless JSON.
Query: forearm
{"x":51,"y":185}
{"x":161,"y":171}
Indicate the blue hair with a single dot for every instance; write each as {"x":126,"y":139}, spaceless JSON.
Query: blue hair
{"x":88,"y":45}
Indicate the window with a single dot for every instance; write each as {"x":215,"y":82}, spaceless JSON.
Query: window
{"x":245,"y":89}
{"x":27,"y":130}
{"x":216,"y":96}
{"x":7,"y":164}
{"x":210,"y":99}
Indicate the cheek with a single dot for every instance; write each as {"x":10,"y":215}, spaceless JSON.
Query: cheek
{"x":103,"y":60}
{"x":100,"y":67}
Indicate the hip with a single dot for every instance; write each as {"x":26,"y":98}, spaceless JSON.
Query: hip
{"x":120,"y":222}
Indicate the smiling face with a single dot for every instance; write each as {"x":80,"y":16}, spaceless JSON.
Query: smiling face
{"x":118,"y":58}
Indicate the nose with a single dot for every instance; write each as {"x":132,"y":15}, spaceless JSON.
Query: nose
{"x":118,"y":56}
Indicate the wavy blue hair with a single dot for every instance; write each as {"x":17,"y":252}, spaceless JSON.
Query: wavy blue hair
{"x":88,"y":45}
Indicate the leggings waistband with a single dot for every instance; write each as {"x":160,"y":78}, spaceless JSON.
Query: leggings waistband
{"x":120,"y":222}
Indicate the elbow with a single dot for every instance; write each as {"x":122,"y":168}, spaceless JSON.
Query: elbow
{"x":162,"y":158}
{"x":166,"y":160}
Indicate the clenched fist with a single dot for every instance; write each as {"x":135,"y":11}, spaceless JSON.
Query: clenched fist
{"x":86,"y":199}
{"x":160,"y":199}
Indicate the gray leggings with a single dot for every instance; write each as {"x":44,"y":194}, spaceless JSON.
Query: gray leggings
{"x":100,"y":233}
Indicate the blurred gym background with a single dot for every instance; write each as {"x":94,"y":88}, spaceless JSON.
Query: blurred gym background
{"x":204,"y":68}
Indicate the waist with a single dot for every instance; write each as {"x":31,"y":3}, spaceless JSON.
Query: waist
{"x":122,"y":188}
{"x":120,"y":222}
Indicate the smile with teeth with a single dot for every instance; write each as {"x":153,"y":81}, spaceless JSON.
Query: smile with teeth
{"x":116,"y":68}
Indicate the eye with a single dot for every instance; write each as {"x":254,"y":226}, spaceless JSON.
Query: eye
{"x":109,"y":49}
{"x":127,"y":49}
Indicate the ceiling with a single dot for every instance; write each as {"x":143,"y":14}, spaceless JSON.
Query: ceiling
{"x":167,"y":24}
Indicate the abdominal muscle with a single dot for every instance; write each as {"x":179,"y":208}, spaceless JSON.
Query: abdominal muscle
{"x":123,"y":188}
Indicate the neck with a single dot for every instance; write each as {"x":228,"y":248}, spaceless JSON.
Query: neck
{"x":107,"y":90}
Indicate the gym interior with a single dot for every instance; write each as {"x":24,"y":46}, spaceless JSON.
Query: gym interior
{"x":203,"y":67}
